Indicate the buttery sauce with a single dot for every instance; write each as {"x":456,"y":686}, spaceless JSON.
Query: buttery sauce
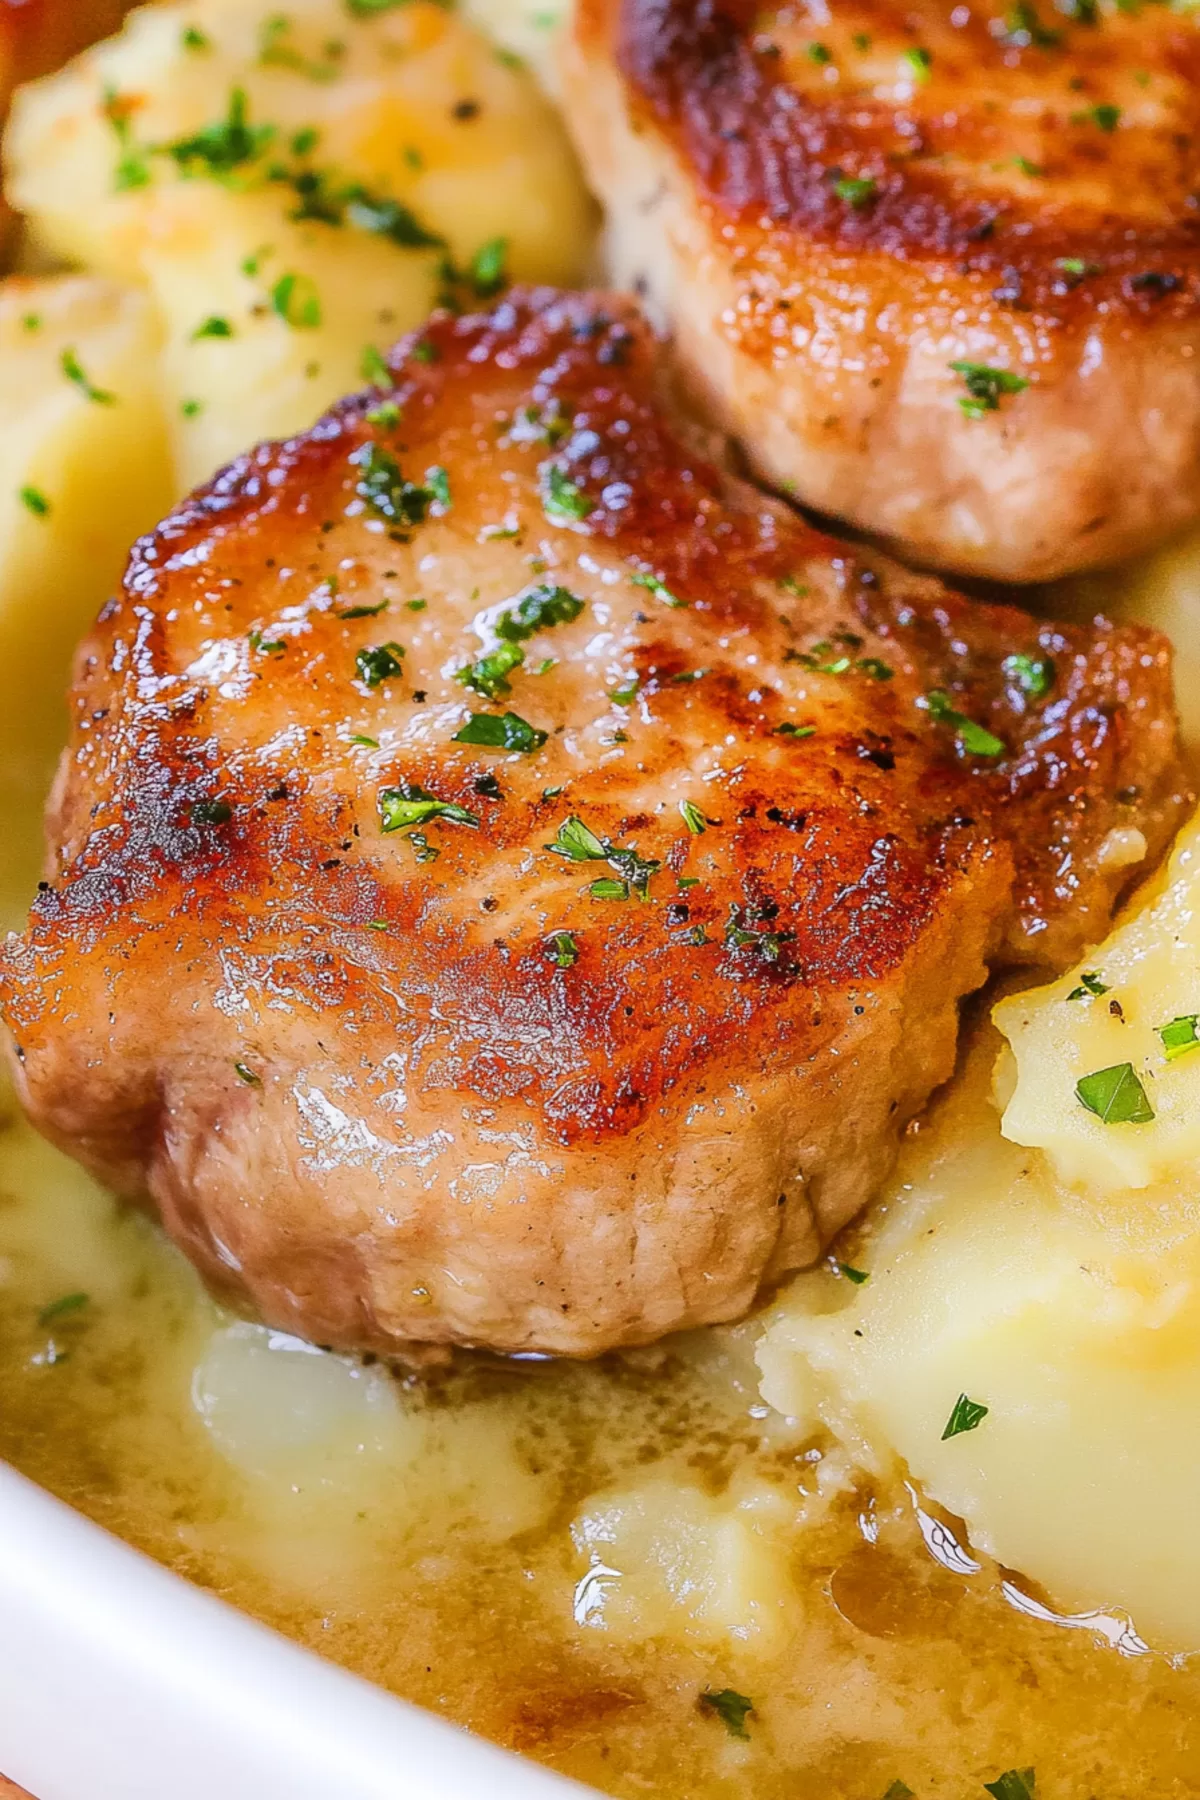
{"x":564,"y":1558}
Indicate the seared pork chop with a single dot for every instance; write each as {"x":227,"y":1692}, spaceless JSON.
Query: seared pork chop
{"x":510,"y":884}
{"x":938,"y":267}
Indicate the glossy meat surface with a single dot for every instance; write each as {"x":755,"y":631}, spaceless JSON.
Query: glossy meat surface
{"x":575,"y":1043}
{"x":832,"y":207}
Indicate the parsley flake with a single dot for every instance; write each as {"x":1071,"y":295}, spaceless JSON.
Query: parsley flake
{"x":377,"y":663}
{"x":562,"y":501}
{"x":1033,"y":675}
{"x":918,"y":61}
{"x":857,"y":1276}
{"x":217,"y":150}
{"x":562,"y":949}
{"x":58,"y":1309}
{"x":1090,"y":986}
{"x":984,"y":387}
{"x":1179,"y":1035}
{"x":500,"y":731}
{"x":385,"y":489}
{"x":857,"y":191}
{"x":213,"y":327}
{"x":658,"y":588}
{"x":966,"y":1415}
{"x":295,"y":300}
{"x":489,"y":675}
{"x":487,"y":270}
{"x":975,"y":739}
{"x":1115,"y":1095}
{"x":693,"y":817}
{"x":731,"y":1708}
{"x":609,"y":888}
{"x":245,"y":1073}
{"x":407,"y":805}
{"x":1014,"y":1784}
{"x":73,"y":370}
{"x":373,"y":367}
{"x":34,"y":501}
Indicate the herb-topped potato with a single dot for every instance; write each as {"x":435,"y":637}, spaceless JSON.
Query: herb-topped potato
{"x":84,"y":466}
{"x":296,"y":187}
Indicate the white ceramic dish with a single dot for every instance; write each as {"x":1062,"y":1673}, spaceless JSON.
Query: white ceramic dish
{"x":120,"y":1681}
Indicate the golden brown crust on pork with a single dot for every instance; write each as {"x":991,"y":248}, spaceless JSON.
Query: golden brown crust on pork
{"x":434,"y":1083}
{"x":832,"y":214}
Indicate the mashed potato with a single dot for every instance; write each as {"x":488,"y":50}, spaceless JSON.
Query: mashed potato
{"x":295,"y":188}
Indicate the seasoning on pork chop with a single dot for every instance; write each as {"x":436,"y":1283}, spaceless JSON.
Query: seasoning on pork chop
{"x":938,"y":267}
{"x":510,"y":884}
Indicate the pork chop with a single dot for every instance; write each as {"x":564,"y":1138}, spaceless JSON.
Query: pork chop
{"x":937,"y":266}
{"x":510,"y":883}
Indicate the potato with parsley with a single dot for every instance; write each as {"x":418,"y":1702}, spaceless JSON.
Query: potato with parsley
{"x":296,"y":187}
{"x":84,"y":467}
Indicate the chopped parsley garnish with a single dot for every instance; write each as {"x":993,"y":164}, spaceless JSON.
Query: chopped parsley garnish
{"x":562,"y":949}
{"x":274,"y":52}
{"x":984,"y":387}
{"x":1022,"y":27}
{"x":899,"y":1790}
{"x":609,"y":888}
{"x":1115,"y":1096}
{"x":731,"y":1708}
{"x":857,"y":191}
{"x":1105,"y":118}
{"x":217,"y":150}
{"x":1034,"y":675}
{"x":58,"y":1309}
{"x":31,"y":321}
{"x":73,"y":370}
{"x":489,"y":676}
{"x":740,"y":934}
{"x":191,"y":409}
{"x":265,"y":646}
{"x":693,"y":817}
{"x":965,"y":1415}
{"x":34,"y":501}
{"x":536,"y":610}
{"x":415,"y":605}
{"x":133,"y":169}
{"x":363,"y":612}
{"x":373,"y":368}
{"x":380,"y":216}
{"x":562,"y":501}
{"x":857,"y":1276}
{"x":500,"y":731}
{"x":1076,"y":265}
{"x":487,"y":271}
{"x":1090,"y":985}
{"x":245,"y":1073}
{"x":875,"y":668}
{"x":386,"y":491}
{"x":211,"y":812}
{"x":387,"y":415}
{"x":820,"y":53}
{"x":213,"y":327}
{"x":364,"y":742}
{"x":1014,"y":1784}
{"x":1179,"y":1035}
{"x":975,"y":739}
{"x":296,"y":301}
{"x":658,"y":588}
{"x":438,"y":483}
{"x":407,"y":805}
{"x":579,"y":843}
{"x":788,"y":729}
{"x":918,"y":61}
{"x":367,"y":9}
{"x":378,"y":663}
{"x":627,"y":693}
{"x":192,"y":38}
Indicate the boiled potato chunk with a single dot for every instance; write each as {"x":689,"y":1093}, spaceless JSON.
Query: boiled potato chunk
{"x":666,"y":1560}
{"x":293,"y":179}
{"x":1072,"y":1318}
{"x":1141,"y":1021}
{"x":84,"y":467}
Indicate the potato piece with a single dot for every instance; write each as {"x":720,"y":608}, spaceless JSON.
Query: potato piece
{"x":80,"y":477}
{"x":403,"y":126}
{"x":1143,"y":1020}
{"x":1074,"y":1320}
{"x":667,"y":1560}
